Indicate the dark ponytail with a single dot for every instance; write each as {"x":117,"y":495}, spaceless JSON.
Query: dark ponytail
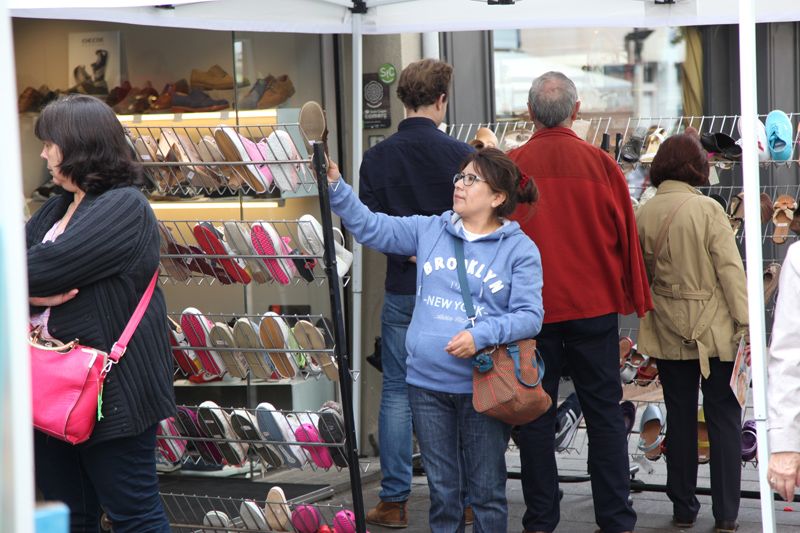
{"x":502,"y":175}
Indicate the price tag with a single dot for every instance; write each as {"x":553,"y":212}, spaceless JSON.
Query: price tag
{"x":713,"y":178}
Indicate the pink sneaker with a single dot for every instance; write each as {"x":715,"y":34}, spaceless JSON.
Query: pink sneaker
{"x":196,"y":327}
{"x":345,"y":521}
{"x":319,"y":454}
{"x":266,"y":241}
{"x":256,"y":153}
{"x":306,"y":519}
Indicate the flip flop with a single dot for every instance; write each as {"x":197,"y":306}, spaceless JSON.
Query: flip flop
{"x":650,"y":432}
{"x":703,"y":446}
{"x":266,"y":241}
{"x":277,"y":510}
{"x":197,"y":327}
{"x":310,"y":337}
{"x":245,"y":334}
{"x":230,"y":144}
{"x":306,"y":519}
{"x":772,"y":276}
{"x":253,"y":516}
{"x":331,"y":429}
{"x":782,"y":216}
{"x":216,"y":519}
{"x":211,"y":241}
{"x":216,"y":423}
{"x":319,"y":454}
{"x":309,"y":235}
{"x":273,"y":332}
{"x":246,"y":428}
{"x":189,"y":426}
{"x":237,"y":235}
{"x":172,"y":449}
{"x":274,"y":425}
{"x":186,"y":359}
{"x":221,"y":335}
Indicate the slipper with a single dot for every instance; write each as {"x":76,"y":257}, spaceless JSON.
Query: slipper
{"x":736,"y":212}
{"x":245,"y":334}
{"x":216,"y":423}
{"x":172,"y":449}
{"x":782,"y":216}
{"x":252,"y":516}
{"x":274,"y":425}
{"x":654,"y":141}
{"x":278,"y":146}
{"x":246,"y":428}
{"x":221,"y":335}
{"x":197,"y":327}
{"x":277,"y":510}
{"x":209,"y":152}
{"x":306,"y":519}
{"x":628,"y":415}
{"x":651,"y":429}
{"x":309,"y":235}
{"x":237,"y":236}
{"x":273,"y":332}
{"x":772,"y":276}
{"x":344,"y":522}
{"x":310,"y":364}
{"x":230,"y":144}
{"x":313,"y":124}
{"x":761,"y":140}
{"x":186,"y":152}
{"x":189,"y":426}
{"x":186,"y":359}
{"x":319,"y":454}
{"x":721,"y":145}
{"x":310,"y":337}
{"x":766,"y":208}
{"x":210,"y":240}
{"x":749,"y":440}
{"x":703,"y":446}
{"x":266,"y":241}
{"x":216,"y":519}
{"x":647,"y":373}
{"x":331,"y":429}
{"x":632,"y":149}
{"x":625,"y":345}
{"x":175,"y":268}
{"x":780,"y":140}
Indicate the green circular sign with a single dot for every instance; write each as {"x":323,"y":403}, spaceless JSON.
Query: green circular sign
{"x":387,"y":73}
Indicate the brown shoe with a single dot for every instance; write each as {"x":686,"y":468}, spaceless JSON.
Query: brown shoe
{"x":277,"y":93}
{"x":29,"y":100}
{"x":213,"y":78}
{"x":389,"y":514}
{"x":725,"y":526}
{"x":469,"y":517}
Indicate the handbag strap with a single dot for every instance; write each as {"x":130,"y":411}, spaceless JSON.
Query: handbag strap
{"x":469,"y":307}
{"x":513,"y":352}
{"x":118,"y":350}
{"x":662,"y":236}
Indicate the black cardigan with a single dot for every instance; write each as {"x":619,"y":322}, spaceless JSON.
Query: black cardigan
{"x":109,"y":251}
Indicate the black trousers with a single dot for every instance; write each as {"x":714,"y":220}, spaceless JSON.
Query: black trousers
{"x":724,"y":422}
{"x":590,"y":347}
{"x":119,"y":475}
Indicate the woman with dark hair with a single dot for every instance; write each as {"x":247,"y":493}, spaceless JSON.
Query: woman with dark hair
{"x":504,"y":273}
{"x":92,"y":252}
{"x":700,"y":313}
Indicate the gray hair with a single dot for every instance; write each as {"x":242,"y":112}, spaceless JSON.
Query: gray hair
{"x":552,"y":98}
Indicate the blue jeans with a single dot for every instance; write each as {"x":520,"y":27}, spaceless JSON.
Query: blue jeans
{"x":119,"y":475}
{"x":446,"y":426}
{"x":394,"y":420}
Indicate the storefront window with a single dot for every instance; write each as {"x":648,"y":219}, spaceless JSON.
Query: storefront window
{"x":619,"y":72}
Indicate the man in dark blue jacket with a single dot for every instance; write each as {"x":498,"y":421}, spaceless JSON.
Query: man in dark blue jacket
{"x":409,"y":173}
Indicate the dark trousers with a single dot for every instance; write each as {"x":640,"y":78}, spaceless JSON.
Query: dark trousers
{"x":724,"y":422}
{"x":590,"y":347}
{"x":119,"y":475}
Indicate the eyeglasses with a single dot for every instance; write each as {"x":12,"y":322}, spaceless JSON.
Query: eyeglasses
{"x":469,"y":179}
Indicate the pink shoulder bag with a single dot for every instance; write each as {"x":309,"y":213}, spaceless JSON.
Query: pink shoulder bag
{"x":67,"y":380}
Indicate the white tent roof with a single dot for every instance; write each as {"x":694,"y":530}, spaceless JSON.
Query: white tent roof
{"x":397,"y":16}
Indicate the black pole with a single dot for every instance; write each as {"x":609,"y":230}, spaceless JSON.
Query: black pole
{"x":340,"y":348}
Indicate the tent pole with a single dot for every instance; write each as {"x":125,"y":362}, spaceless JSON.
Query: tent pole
{"x":753,"y":250}
{"x":356,"y":155}
{"x":16,"y":435}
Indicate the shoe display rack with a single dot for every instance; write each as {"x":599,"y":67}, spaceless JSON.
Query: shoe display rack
{"x":628,"y":140}
{"x":263,"y":259}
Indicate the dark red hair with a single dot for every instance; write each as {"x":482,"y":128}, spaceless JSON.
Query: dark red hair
{"x":680,"y":158}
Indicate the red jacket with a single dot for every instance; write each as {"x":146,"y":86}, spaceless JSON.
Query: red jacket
{"x":584,"y":227}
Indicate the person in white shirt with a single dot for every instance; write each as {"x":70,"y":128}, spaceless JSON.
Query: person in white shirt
{"x":783,"y":387}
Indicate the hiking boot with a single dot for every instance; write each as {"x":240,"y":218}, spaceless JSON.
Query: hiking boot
{"x":389,"y":514}
{"x":276,"y":93}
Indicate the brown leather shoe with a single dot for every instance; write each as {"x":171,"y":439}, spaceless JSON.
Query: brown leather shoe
{"x":213,"y":78}
{"x":278,"y":92}
{"x":389,"y":514}
{"x":469,"y":516}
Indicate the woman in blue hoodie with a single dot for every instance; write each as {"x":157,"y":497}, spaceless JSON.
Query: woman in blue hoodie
{"x":504,"y":271}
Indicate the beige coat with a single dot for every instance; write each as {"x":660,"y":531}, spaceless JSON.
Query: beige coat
{"x":700,"y":291}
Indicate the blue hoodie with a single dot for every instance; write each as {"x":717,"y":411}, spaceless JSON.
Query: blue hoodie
{"x":505,"y":277}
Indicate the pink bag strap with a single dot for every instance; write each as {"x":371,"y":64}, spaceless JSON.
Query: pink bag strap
{"x":118,"y":350}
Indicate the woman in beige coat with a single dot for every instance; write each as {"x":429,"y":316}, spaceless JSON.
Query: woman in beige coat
{"x":700,"y":313}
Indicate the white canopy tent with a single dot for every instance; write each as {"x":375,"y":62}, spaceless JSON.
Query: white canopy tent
{"x":395,"y":16}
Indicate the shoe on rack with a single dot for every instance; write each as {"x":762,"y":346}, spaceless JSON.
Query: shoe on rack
{"x":320,"y":455}
{"x":632,"y":149}
{"x":749,"y":440}
{"x":721,"y":145}
{"x":189,"y":426}
{"x":237,"y":236}
{"x":761,"y":140}
{"x":185,"y":151}
{"x":267,"y":242}
{"x":310,"y":337}
{"x":277,"y":510}
{"x":212,"y":242}
{"x":654,"y":141}
{"x":309,"y":235}
{"x":197,"y":327}
{"x":214,"y":78}
{"x":784,"y":210}
{"x":221,"y":336}
{"x":389,"y":514}
{"x":245,"y":426}
{"x":344,"y":521}
{"x":245,"y":333}
{"x":118,"y":93}
{"x":274,"y":425}
{"x":306,"y":519}
{"x":279,"y":146}
{"x":252,"y":516}
{"x":568,"y":418}
{"x":628,"y":415}
{"x":197,"y":101}
{"x":233,"y":149}
{"x":780,"y":140}
{"x":313,"y":123}
{"x":651,"y":432}
{"x":172,"y":448}
{"x":216,"y":519}
{"x":772,"y":275}
{"x":250,"y":100}
{"x":280,"y":90}
{"x":216,"y":423}
{"x":331,"y":429}
{"x":274,"y":334}
{"x":29,"y":100}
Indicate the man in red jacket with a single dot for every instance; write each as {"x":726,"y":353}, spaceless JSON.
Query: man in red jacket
{"x":593,"y":269}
